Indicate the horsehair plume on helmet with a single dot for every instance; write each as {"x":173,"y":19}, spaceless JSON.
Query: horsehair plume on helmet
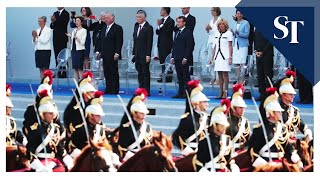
{"x":98,"y":98}
{"x":95,"y":106}
{"x":218,"y":115}
{"x":271,"y":102}
{"x":8,"y":90}
{"x":225,"y":104}
{"x":138,"y":104}
{"x":237,"y":99}
{"x":88,"y":75}
{"x":48,"y":77}
{"x":141,"y":95}
{"x":195,"y":87}
{"x":286,"y":83}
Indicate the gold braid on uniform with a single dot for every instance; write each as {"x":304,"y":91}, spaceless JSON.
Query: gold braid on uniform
{"x":54,"y":141}
{"x":196,"y":162}
{"x":246,"y":132}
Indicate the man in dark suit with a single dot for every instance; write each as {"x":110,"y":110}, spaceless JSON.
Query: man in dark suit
{"x":109,"y":47}
{"x":191,"y":23}
{"x":164,"y":32}
{"x":142,"y":46}
{"x":264,"y":53}
{"x":181,"y":54}
{"x":59,"y":24}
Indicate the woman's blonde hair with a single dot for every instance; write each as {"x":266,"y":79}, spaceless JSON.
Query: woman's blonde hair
{"x":223,"y":21}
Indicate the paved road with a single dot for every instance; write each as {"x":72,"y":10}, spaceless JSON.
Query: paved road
{"x":167,"y":116}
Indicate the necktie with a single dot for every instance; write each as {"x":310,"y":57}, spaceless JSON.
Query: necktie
{"x":107,"y":30}
{"x":162,"y":20}
{"x":178,"y":33}
{"x":139,"y":30}
{"x":40,"y":32}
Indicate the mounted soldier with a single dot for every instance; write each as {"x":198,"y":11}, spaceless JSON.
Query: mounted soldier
{"x":128,"y":145}
{"x":186,"y":137}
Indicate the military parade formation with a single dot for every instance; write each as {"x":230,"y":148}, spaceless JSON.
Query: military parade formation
{"x":219,"y":141}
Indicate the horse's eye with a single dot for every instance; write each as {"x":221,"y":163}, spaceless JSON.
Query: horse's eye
{"x":17,"y":158}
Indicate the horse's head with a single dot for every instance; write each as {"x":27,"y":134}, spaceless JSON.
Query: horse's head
{"x":302,"y":147}
{"x":16,"y":158}
{"x":92,"y":159}
{"x":285,"y":166}
{"x":162,"y":150}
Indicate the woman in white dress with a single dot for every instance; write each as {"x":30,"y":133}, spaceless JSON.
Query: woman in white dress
{"x":222,"y":55}
{"x":212,"y":29}
{"x":240,"y":30}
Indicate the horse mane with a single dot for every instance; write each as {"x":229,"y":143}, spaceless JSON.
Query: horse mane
{"x":128,"y":164}
{"x":86,"y":150}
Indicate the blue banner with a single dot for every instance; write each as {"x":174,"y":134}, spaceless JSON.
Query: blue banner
{"x":290,"y":30}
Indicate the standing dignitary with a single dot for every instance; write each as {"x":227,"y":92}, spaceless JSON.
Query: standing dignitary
{"x":59,"y":24}
{"x":142,"y":46}
{"x":165,"y":41}
{"x":109,"y":47}
{"x":181,"y":54}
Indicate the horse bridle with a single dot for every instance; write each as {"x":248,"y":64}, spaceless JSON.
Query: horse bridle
{"x":157,"y":152}
{"x":95,"y":156}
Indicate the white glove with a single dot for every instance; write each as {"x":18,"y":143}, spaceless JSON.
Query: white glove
{"x":300,"y":164}
{"x":45,"y":169}
{"x":234,"y":167}
{"x":259,"y":162}
{"x":295,"y":158}
{"x":115,"y":159}
{"x":68,"y":161}
{"x":75,"y":153}
{"x":36,"y":164}
{"x":203,"y":169}
{"x":308,"y":133}
{"x":128,"y":155}
{"x":24,"y":141}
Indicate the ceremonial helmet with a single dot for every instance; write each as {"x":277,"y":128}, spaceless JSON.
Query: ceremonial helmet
{"x":46,"y":104}
{"x":85,"y":83}
{"x":46,"y":83}
{"x":237,"y":100}
{"x":218,"y":114}
{"x":271,"y":103}
{"x":95,"y":105}
{"x":286,"y":83}
{"x":8,"y":93}
{"x":138,"y":104}
{"x":196,"y":95}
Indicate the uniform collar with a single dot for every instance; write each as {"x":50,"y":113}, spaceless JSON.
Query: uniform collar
{"x":283,"y":105}
{"x":187,"y":15}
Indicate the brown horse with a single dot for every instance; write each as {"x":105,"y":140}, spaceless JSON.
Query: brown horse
{"x":285,"y":166}
{"x":302,"y":147}
{"x":152,"y":158}
{"x":185,"y":164}
{"x":16,"y":158}
{"x":91,"y":159}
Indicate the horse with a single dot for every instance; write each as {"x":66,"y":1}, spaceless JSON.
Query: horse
{"x":285,"y":166}
{"x":302,"y":147}
{"x":185,"y":164}
{"x":152,"y":158}
{"x":16,"y":158}
{"x":91,"y":158}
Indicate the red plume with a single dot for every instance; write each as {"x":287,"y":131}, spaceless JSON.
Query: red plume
{"x":86,"y":74}
{"x":237,"y":87}
{"x":140,"y":91}
{"x":290,"y":73}
{"x":271,"y":90}
{"x":226,"y":102}
{"x":8,"y":86}
{"x":193,"y":84}
{"x":48,"y":73}
{"x":43,"y":93}
{"x":98,"y":94}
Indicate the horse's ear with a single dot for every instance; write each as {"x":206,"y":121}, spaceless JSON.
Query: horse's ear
{"x":160,"y":135}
